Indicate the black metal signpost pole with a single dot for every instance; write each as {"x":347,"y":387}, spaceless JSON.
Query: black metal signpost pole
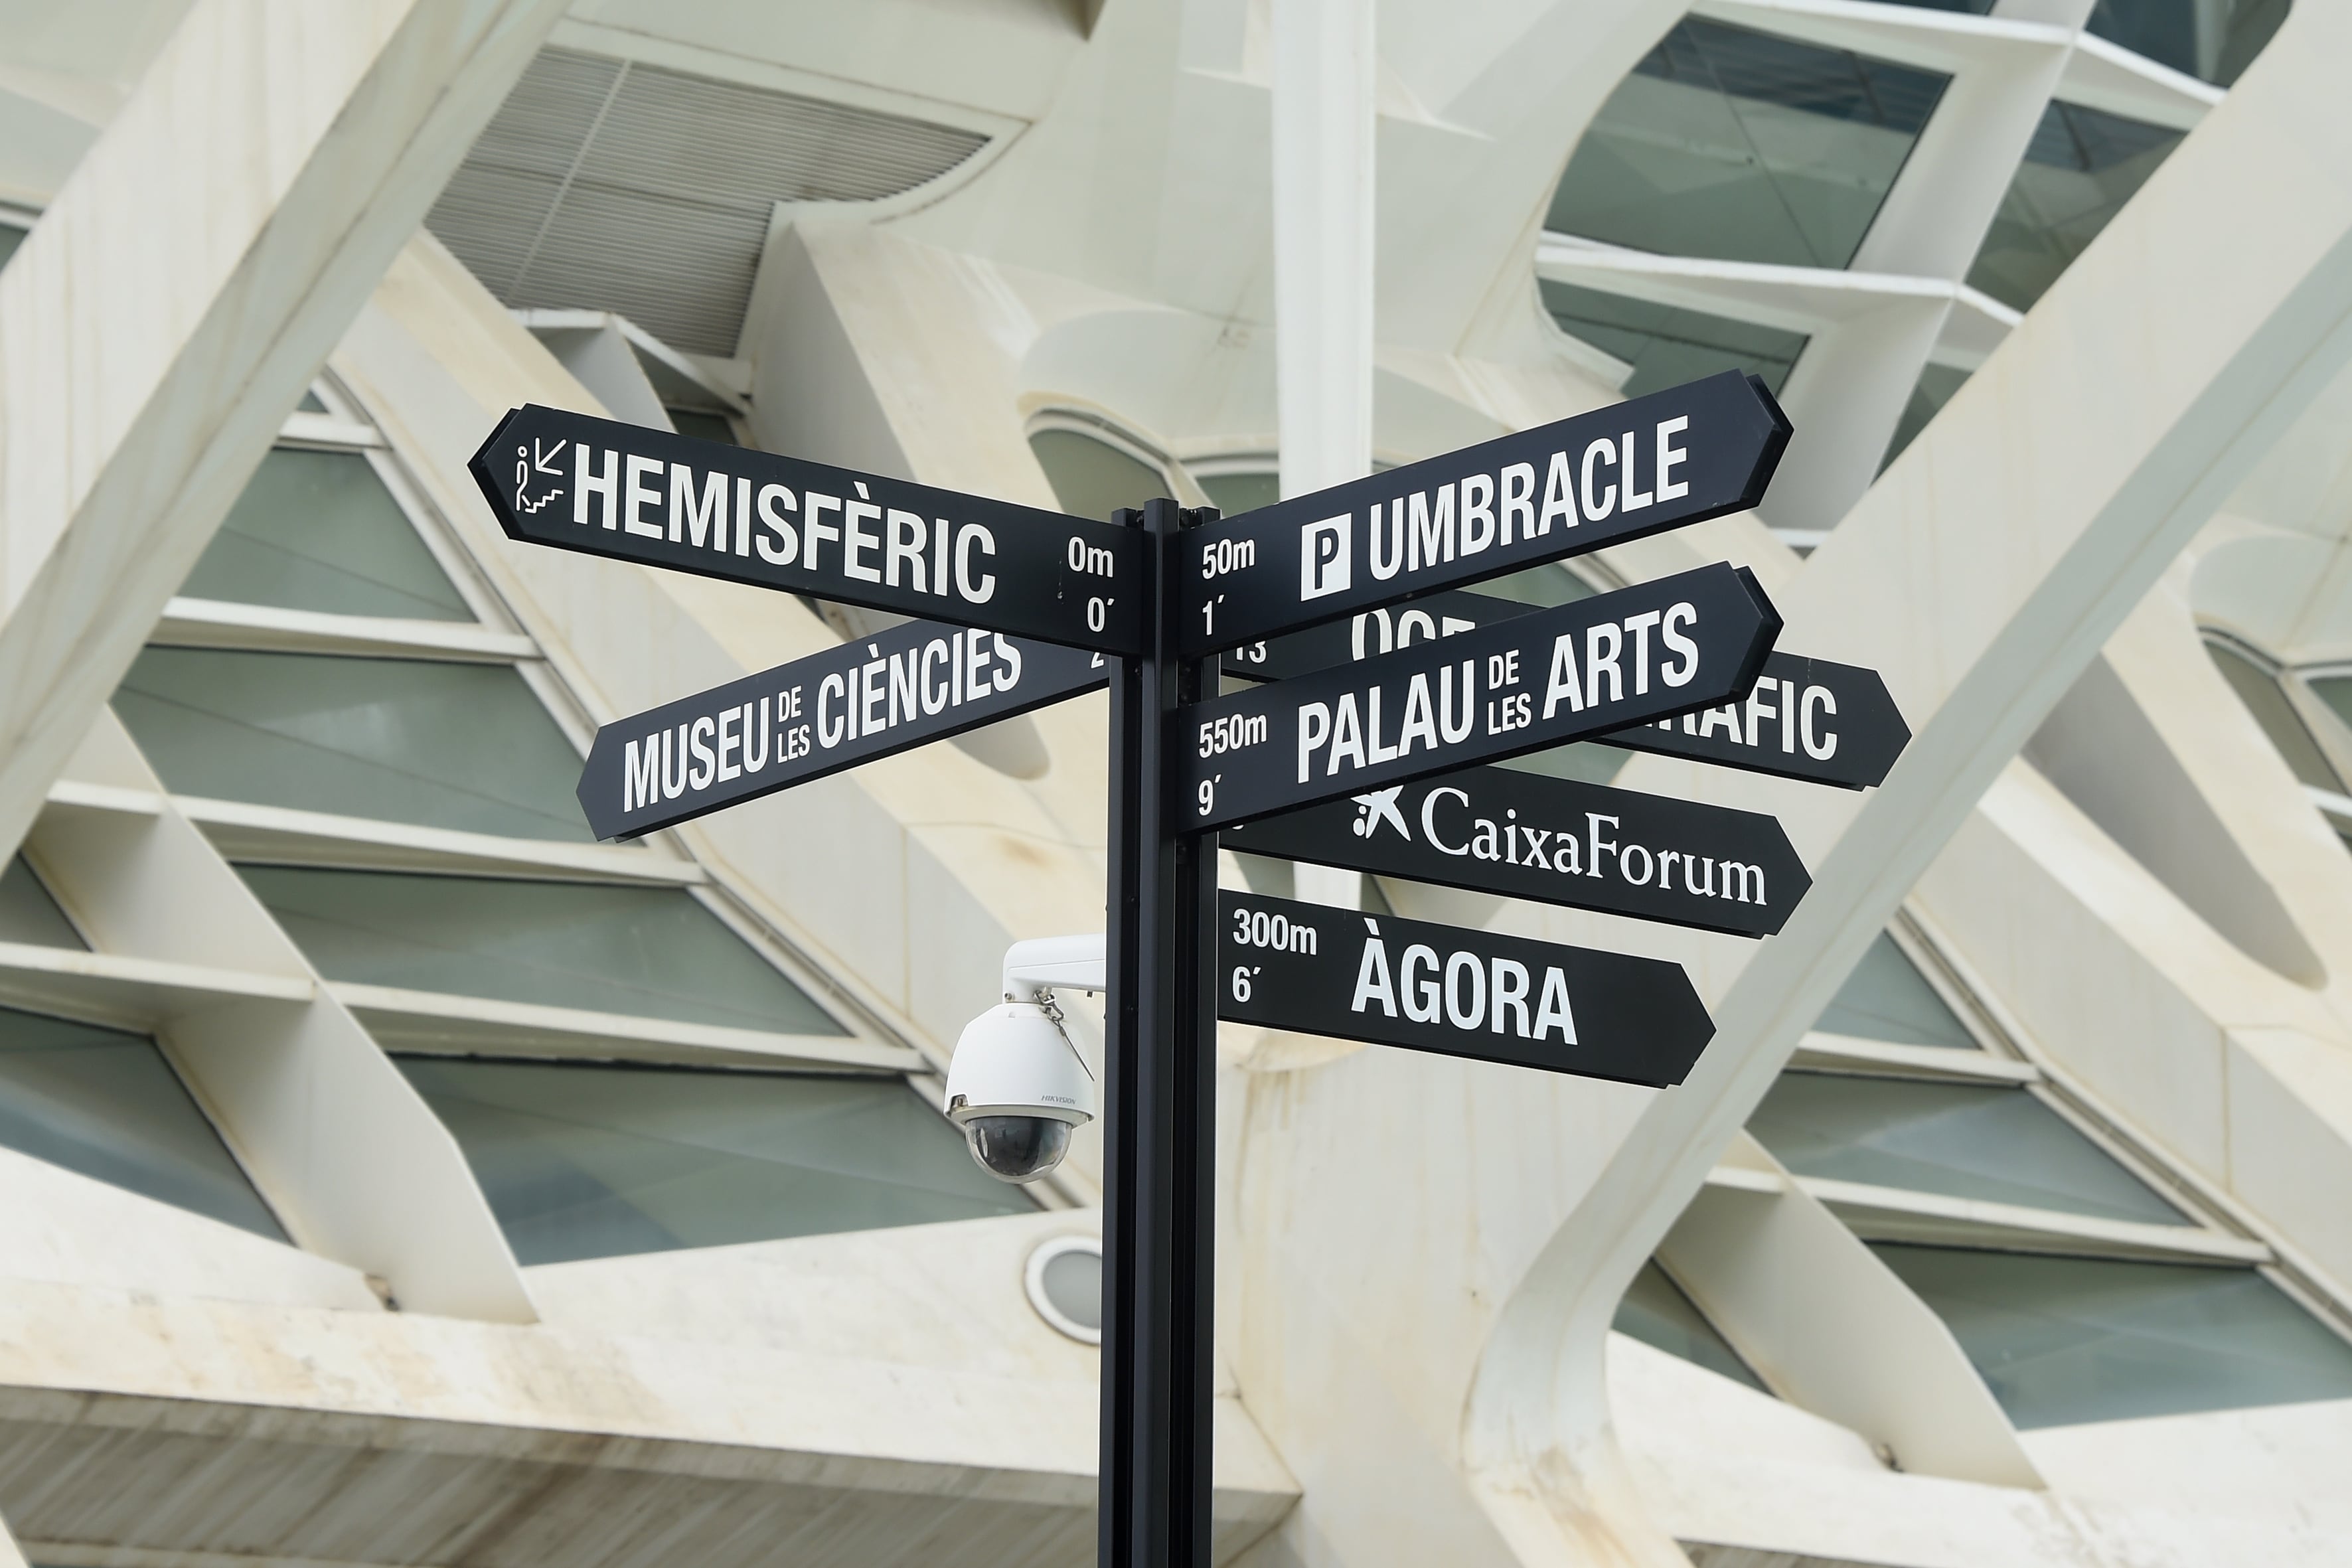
{"x":1160,"y":1120}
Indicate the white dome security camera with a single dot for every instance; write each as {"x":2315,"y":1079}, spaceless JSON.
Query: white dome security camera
{"x":1016,"y":1087}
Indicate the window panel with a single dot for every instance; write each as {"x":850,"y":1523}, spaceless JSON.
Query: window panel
{"x":1234,"y":494}
{"x":652,"y":953}
{"x":2211,"y":39}
{"x":107,"y":1105}
{"x":594,"y":1162}
{"x":1656,"y":1311}
{"x":1961,"y":1141}
{"x":442,"y":745}
{"x":1094,"y":478}
{"x":1886,"y":998}
{"x":1729,"y":143}
{"x":2080,"y":169}
{"x":318,"y":531}
{"x":703,"y":425}
{"x":27,"y":912}
{"x":1667,"y":346}
{"x":11,"y":238}
{"x":2063,"y":1341}
{"x":2268,"y":702}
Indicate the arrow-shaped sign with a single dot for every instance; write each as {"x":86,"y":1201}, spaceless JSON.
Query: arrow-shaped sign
{"x":878,"y":696}
{"x":1569,"y":673}
{"x":1559,"y":841}
{"x":1631,"y":469}
{"x":630,"y":493}
{"x":1317,"y":970}
{"x":1805,"y":718}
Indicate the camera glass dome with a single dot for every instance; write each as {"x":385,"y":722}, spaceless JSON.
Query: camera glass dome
{"x":1017,"y":1148}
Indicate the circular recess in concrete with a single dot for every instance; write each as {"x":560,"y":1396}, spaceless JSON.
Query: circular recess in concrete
{"x":1064,"y":1283}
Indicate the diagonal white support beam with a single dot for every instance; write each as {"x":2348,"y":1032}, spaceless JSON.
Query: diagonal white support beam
{"x":179,"y":293}
{"x":1980,"y":574}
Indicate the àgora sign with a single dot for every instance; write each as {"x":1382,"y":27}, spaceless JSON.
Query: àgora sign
{"x":1316,"y":970}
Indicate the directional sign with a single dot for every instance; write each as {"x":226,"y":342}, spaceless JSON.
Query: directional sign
{"x":915,"y":683}
{"x":1317,"y":970}
{"x":1633,"y":469}
{"x":634,"y":494}
{"x":1559,"y":841}
{"x":1569,"y":673}
{"x":1806,"y":718}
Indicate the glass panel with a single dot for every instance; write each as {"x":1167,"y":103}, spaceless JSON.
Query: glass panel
{"x":10,"y":239}
{"x":1962,"y":1141}
{"x":1934,"y":388}
{"x":652,"y":953}
{"x":443,"y":745}
{"x":318,"y":531}
{"x":2260,"y":691}
{"x":1235,"y":493}
{"x":2069,"y":1339}
{"x":1656,"y":1311}
{"x":702,"y":425}
{"x":1729,"y":143}
{"x":1094,"y":478}
{"x":2215,"y":39}
{"x":1667,"y":346}
{"x":108,"y":1105}
{"x":1886,"y":998}
{"x":27,"y":912}
{"x":311,"y":403}
{"x":2336,"y":690}
{"x":595,"y":1162}
{"x":2081,"y":167}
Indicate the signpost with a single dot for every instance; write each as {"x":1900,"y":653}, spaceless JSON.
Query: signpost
{"x":1020,"y":607}
{"x":1805,"y":718}
{"x":1316,"y":970}
{"x":874,"y":697}
{"x":1632,"y":469}
{"x":717,"y":511}
{"x":1555,"y":841}
{"x":1641,"y":653}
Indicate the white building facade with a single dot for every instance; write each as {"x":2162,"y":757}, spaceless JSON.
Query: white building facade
{"x":392,"y":1174}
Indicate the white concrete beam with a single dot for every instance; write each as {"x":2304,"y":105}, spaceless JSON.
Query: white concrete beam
{"x":178,"y":295}
{"x":1980,"y":574}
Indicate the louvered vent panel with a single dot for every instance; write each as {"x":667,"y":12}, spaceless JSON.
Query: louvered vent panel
{"x":626,"y":187}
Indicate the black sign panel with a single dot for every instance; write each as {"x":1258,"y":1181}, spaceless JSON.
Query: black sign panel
{"x":1805,"y":718}
{"x":1320,"y":970}
{"x":1634,"y":468}
{"x":634,"y":494}
{"x":1559,"y":841}
{"x":1564,"y":674}
{"x":916,"y":682}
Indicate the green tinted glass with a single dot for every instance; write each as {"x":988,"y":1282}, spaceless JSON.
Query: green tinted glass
{"x":1745,"y":146}
{"x":2260,"y":692}
{"x":1961,"y":1141}
{"x":2214,"y":39}
{"x":652,"y":953}
{"x":1667,"y":346}
{"x":1094,"y":478}
{"x":11,"y":238}
{"x":318,"y":531}
{"x":107,"y":1105}
{"x":27,"y":912}
{"x":594,"y":1162}
{"x":1656,"y":1311}
{"x":702,"y":425}
{"x":1934,"y":388}
{"x":1886,"y":998}
{"x":2080,"y":169}
{"x":2064,"y":1340}
{"x":442,"y":745}
{"x":1235,"y":493}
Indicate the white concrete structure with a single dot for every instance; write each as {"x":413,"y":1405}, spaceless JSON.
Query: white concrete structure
{"x":389,"y":1174}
